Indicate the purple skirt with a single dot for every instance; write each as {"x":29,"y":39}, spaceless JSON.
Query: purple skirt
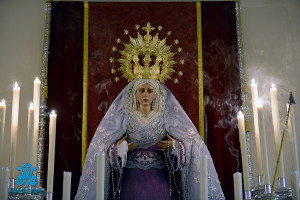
{"x":150,"y":184}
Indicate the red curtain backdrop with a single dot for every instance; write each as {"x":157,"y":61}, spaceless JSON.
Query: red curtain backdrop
{"x":107,"y":22}
{"x":65,"y":92}
{"x":221,"y":83}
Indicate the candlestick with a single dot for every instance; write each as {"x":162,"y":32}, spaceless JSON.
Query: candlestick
{"x":30,"y":133}
{"x":237,"y":181}
{"x":51,"y":157}
{"x":4,"y":183}
{"x":14,"y":128}
{"x":293,"y":138}
{"x":49,"y":196}
{"x":254,"y":94}
{"x":282,"y":193}
{"x":203,"y":178}
{"x":295,"y":185}
{"x":263,"y":143}
{"x":100,"y":176}
{"x":243,"y":146}
{"x":36,"y":102}
{"x":2,"y":128}
{"x":67,"y":186}
{"x":276,"y":122}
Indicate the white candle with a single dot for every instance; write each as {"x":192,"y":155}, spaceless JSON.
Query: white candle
{"x":4,"y":183}
{"x":36,"y":103}
{"x":295,"y":185}
{"x":67,"y":186}
{"x":2,"y":128}
{"x":254,"y":94}
{"x":30,"y":141}
{"x":237,"y":182}
{"x":100,"y":176}
{"x":277,"y":133}
{"x":293,"y":138}
{"x":51,"y":156}
{"x":243,"y":146}
{"x":263,"y":143}
{"x":203,"y":178}
{"x":14,"y":128}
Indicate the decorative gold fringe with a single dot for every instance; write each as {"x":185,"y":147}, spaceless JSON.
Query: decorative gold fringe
{"x":245,"y":85}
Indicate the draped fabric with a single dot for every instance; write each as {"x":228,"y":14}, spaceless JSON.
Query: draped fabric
{"x":107,"y":22}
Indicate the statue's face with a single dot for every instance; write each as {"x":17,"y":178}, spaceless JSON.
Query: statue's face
{"x":145,"y":94}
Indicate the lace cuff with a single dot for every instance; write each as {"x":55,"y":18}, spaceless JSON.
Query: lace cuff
{"x":122,"y":152}
{"x":113,"y":157}
{"x":177,"y":155}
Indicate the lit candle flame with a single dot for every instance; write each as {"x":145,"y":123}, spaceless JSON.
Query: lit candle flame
{"x":253,"y":81}
{"x":16,"y":84}
{"x":273,"y":86}
{"x":3,"y":101}
{"x":37,"y":80}
{"x":53,"y":112}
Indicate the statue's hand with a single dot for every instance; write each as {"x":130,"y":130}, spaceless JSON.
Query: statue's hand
{"x":122,"y":139}
{"x":163,"y":145}
{"x":131,"y":146}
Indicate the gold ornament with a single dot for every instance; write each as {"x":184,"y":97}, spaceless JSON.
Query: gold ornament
{"x":147,"y":56}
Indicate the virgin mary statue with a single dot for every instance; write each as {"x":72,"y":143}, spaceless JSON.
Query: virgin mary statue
{"x":152,"y":148}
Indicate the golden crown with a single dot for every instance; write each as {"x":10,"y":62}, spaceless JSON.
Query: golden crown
{"x":146,"y":56}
